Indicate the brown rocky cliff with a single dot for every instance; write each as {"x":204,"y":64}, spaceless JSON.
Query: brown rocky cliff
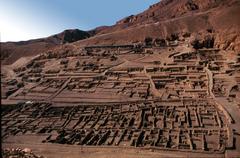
{"x":198,"y":17}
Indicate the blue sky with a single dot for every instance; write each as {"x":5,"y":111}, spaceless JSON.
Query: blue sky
{"x":29,"y":19}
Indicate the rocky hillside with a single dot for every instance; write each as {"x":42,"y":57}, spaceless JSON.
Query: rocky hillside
{"x":218,"y":19}
{"x":200,"y":18}
{"x":11,"y":51}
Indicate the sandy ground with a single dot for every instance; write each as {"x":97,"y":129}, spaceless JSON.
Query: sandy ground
{"x":65,"y":151}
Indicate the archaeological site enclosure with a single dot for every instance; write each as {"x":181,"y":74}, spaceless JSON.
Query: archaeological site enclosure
{"x":125,"y":96}
{"x":162,"y":83}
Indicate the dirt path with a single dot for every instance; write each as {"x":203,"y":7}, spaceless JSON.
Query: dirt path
{"x":153,"y":87}
{"x":232,"y":113}
{"x":60,"y":90}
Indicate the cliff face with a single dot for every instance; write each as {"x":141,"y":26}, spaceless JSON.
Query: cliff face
{"x":220,"y":18}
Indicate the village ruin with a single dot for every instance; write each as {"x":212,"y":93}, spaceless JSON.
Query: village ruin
{"x":161,"y":96}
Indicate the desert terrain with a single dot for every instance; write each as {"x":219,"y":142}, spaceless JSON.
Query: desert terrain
{"x":163,"y":83}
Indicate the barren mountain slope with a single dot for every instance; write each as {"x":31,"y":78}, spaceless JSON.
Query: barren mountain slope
{"x":11,"y":51}
{"x":219,"y":17}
